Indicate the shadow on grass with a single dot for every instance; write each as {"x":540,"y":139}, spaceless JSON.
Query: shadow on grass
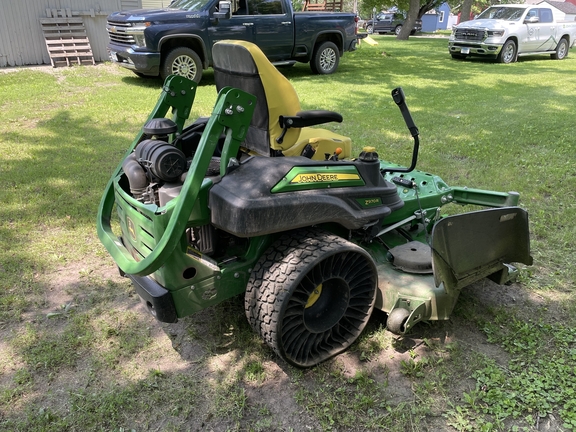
{"x":105,"y":363}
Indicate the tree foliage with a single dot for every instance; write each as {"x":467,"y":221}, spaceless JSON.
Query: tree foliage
{"x":365,"y":7}
{"x":470,"y":8}
{"x":413,"y":9}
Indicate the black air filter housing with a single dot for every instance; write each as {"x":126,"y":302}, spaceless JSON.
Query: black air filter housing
{"x":164,"y":160}
{"x":160,"y":127}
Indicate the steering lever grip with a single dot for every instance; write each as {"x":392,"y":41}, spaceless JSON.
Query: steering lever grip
{"x":398,"y":96}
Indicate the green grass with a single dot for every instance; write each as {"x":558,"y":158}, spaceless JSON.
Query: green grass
{"x":77,"y":354}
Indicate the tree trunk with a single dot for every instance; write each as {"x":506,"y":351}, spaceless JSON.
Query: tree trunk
{"x":410,"y":20}
{"x":465,"y":11}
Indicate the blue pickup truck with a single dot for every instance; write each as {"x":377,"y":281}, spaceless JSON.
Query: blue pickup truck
{"x":178,"y":40}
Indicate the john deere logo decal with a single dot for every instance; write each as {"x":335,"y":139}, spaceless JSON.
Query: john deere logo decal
{"x":323,"y":177}
{"x":131,"y":228}
{"x":319,"y":177}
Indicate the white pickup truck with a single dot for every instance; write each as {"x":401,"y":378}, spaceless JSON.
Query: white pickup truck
{"x":511,"y":30}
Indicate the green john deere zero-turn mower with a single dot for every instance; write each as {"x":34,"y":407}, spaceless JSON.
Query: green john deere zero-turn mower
{"x":253,"y":200}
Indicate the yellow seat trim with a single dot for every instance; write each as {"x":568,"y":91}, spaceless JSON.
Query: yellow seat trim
{"x":323,"y":141}
{"x":282,"y":100}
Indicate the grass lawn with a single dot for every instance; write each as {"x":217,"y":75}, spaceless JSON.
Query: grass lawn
{"x":78,"y":352}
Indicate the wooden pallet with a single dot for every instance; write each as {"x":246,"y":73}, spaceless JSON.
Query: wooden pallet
{"x":326,"y":5}
{"x":66,"y":41}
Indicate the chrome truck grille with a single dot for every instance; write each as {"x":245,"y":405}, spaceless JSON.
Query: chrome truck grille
{"x":473,"y":35}
{"x":118,"y":32}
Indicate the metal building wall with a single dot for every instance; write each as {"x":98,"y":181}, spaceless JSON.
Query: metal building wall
{"x":158,"y":4}
{"x":21,"y":39}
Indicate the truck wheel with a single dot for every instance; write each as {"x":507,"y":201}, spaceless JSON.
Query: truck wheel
{"x":508,"y":53}
{"x":184,"y":62}
{"x":325,"y":59}
{"x":369,"y":29}
{"x":310,"y":296}
{"x":561,"y":50}
{"x":397,"y":30}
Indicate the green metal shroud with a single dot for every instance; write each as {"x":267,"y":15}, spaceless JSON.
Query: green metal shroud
{"x":153,"y":238}
{"x":154,"y":249}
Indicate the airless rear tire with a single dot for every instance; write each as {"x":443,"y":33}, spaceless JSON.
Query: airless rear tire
{"x":310,"y":296}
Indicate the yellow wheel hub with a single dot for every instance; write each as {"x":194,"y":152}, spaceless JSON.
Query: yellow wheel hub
{"x":314,"y":296}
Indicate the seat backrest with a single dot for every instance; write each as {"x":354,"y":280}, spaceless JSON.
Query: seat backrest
{"x":243,"y":65}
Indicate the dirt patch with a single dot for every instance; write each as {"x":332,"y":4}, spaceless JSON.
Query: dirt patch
{"x":188,"y":348}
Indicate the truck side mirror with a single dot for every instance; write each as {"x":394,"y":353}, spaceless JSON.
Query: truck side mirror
{"x":224,"y":10}
{"x":531,"y":20}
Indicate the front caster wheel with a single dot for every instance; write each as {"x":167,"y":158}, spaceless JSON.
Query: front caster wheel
{"x":396,"y":322}
{"x":311,"y":295}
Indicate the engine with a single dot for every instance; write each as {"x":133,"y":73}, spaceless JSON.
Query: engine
{"x":155,"y":172}
{"x":154,"y":162}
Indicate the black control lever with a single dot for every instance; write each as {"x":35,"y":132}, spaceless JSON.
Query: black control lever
{"x":398,"y":96}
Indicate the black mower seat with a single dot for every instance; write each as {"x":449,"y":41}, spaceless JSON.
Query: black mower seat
{"x":243,"y":65}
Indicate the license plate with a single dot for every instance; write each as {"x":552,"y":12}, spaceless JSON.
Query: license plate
{"x":465,"y":50}
{"x":113,"y":56}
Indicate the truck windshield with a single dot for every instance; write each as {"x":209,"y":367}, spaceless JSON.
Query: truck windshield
{"x":503,"y":13}
{"x":189,"y":5}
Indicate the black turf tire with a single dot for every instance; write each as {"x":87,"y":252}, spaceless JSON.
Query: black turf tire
{"x":325,"y":59}
{"x":310,"y":296}
{"x":184,"y":62}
